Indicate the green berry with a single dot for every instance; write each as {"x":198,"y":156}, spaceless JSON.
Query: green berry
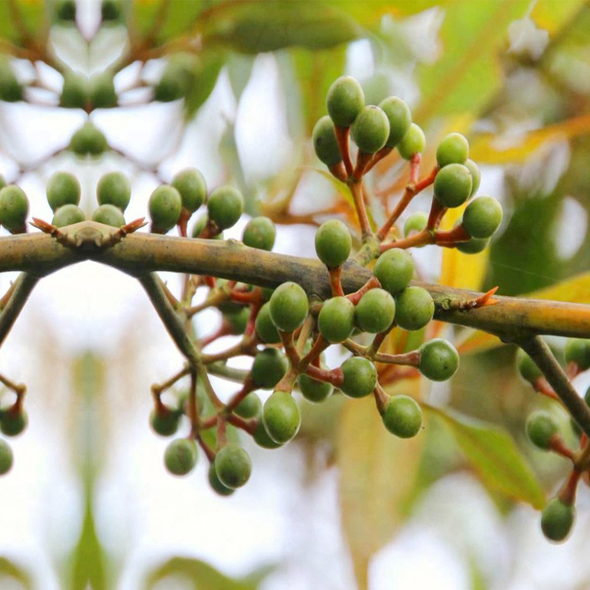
{"x":6,"y":457}
{"x":110,"y":10}
{"x":414,"y":308}
{"x":109,"y":215}
{"x":482,"y":217}
{"x":333,"y":243}
{"x":359,"y":377}
{"x":14,"y":208}
{"x":475,"y":175}
{"x":281,"y":417}
{"x":12,"y":423}
{"x":370,"y":129}
{"x":165,"y":422}
{"x":249,"y":407}
{"x":336,"y":319}
{"x":181,"y":456}
{"x":577,"y":351}
{"x":237,"y":320}
{"x":216,"y":484}
{"x":164,"y":207}
{"x":557,"y":520}
{"x":260,"y":232}
{"x":402,"y":416}
{"x":527,"y":368}
{"x":325,"y":143}
{"x":177,"y":78}
{"x":313,"y":390}
{"x":233,"y":466}
{"x":225,"y":206}
{"x":88,"y":141}
{"x":265,"y":328}
{"x":473,"y":246}
{"x":200,"y":226}
{"x":74,"y":92}
{"x":413,"y":142}
{"x":11,"y":90}
{"x":114,"y":189}
{"x":452,"y":185}
{"x":262,"y":438}
{"x":415,"y":223}
{"x":191,"y":185}
{"x":65,"y":10}
{"x":102,"y":91}
{"x":62,"y":189}
{"x":375,"y":311}
{"x":68,"y":215}
{"x":453,"y":149}
{"x":540,"y":427}
{"x":399,"y":116}
{"x":288,"y":306}
{"x":269,"y":367}
{"x":344,"y":101}
{"x":439,"y":360}
{"x":394,"y":269}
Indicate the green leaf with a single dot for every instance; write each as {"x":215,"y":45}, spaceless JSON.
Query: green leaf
{"x":204,"y":74}
{"x":494,"y":456}
{"x":10,"y":571}
{"x":26,"y":19}
{"x":239,"y":70}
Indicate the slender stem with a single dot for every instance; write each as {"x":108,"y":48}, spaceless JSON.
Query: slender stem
{"x":25,"y":283}
{"x":356,"y":191}
{"x":342,"y":137}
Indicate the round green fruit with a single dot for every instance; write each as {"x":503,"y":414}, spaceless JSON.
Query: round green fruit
{"x":375,"y":311}
{"x":6,"y":457}
{"x":402,"y":416}
{"x":102,"y":91}
{"x":14,"y":208}
{"x":265,"y":328}
{"x":269,"y":367}
{"x":260,"y":232}
{"x":540,"y":427}
{"x":164,"y":206}
{"x":439,"y":360}
{"x":473,"y":246}
{"x":452,"y":185}
{"x":74,"y":92}
{"x":394,"y":269}
{"x":344,"y":101}
{"x":359,"y":377}
{"x":333,"y":243}
{"x":191,"y":185}
{"x":336,"y":319}
{"x":216,"y":484}
{"x":415,"y":223}
{"x":453,"y":149}
{"x":399,"y":116}
{"x":412,"y":143}
{"x":414,"y":308}
{"x":237,"y":320}
{"x":109,"y":215}
{"x":114,"y":189}
{"x":181,"y":456}
{"x":288,"y":306}
{"x":262,"y":438}
{"x":225,"y":206}
{"x":165,"y":422}
{"x":249,"y":407}
{"x":482,"y":217}
{"x":62,"y":189}
{"x":577,"y":351}
{"x":475,"y":175}
{"x":68,"y":215}
{"x":313,"y":390}
{"x":325,"y":143}
{"x":526,"y":367}
{"x":233,"y":466}
{"x":370,"y":129}
{"x":557,"y":520}
{"x":281,"y":417}
{"x":13,"y":423}
{"x":88,"y":141}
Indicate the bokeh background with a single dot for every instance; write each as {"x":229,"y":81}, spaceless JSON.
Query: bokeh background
{"x":88,"y":503}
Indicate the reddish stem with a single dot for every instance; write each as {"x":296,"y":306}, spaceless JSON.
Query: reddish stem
{"x":557,"y":445}
{"x":334,"y":376}
{"x":356,"y":190}
{"x":342,"y":137}
{"x":335,"y":283}
{"x":372,"y":283}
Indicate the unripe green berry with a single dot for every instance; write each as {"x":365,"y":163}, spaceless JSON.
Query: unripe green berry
{"x":14,"y":208}
{"x":62,"y":189}
{"x":249,"y":407}
{"x":237,"y":320}
{"x":577,"y":351}
{"x":102,"y":91}
{"x":413,"y":142}
{"x":394,"y":269}
{"x":191,"y":185}
{"x":540,"y":427}
{"x":482,"y":217}
{"x":375,"y":311}
{"x":260,"y":232}
{"x":165,"y":422}
{"x":11,"y":90}
{"x":415,"y":223}
{"x":344,"y":101}
{"x":526,"y":367}
{"x":288,"y":306}
{"x":233,"y":466}
{"x":265,"y":328}
{"x":262,"y":438}
{"x":336,"y":319}
{"x":414,"y":308}
{"x":402,"y":416}
{"x":281,"y":417}
{"x":114,"y":189}
{"x":453,"y":149}
{"x":225,"y":206}
{"x":68,"y":215}
{"x":216,"y":484}
{"x":313,"y":390}
{"x":557,"y":520}
{"x":359,"y":377}
{"x":325,"y":143}
{"x":333,"y":243}
{"x":6,"y":457}
{"x":452,"y":185}
{"x":74,"y":92}
{"x":164,"y":206}
{"x":200,"y":226}
{"x":473,"y":246}
{"x":181,"y":456}
{"x":439,"y":360}
{"x":110,"y":10}
{"x":399,"y":116}
{"x":12,"y":423}
{"x":109,"y":215}
{"x":475,"y":175}
{"x":65,"y":10}
{"x":88,"y":141}
{"x":370,"y":129}
{"x":269,"y":367}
